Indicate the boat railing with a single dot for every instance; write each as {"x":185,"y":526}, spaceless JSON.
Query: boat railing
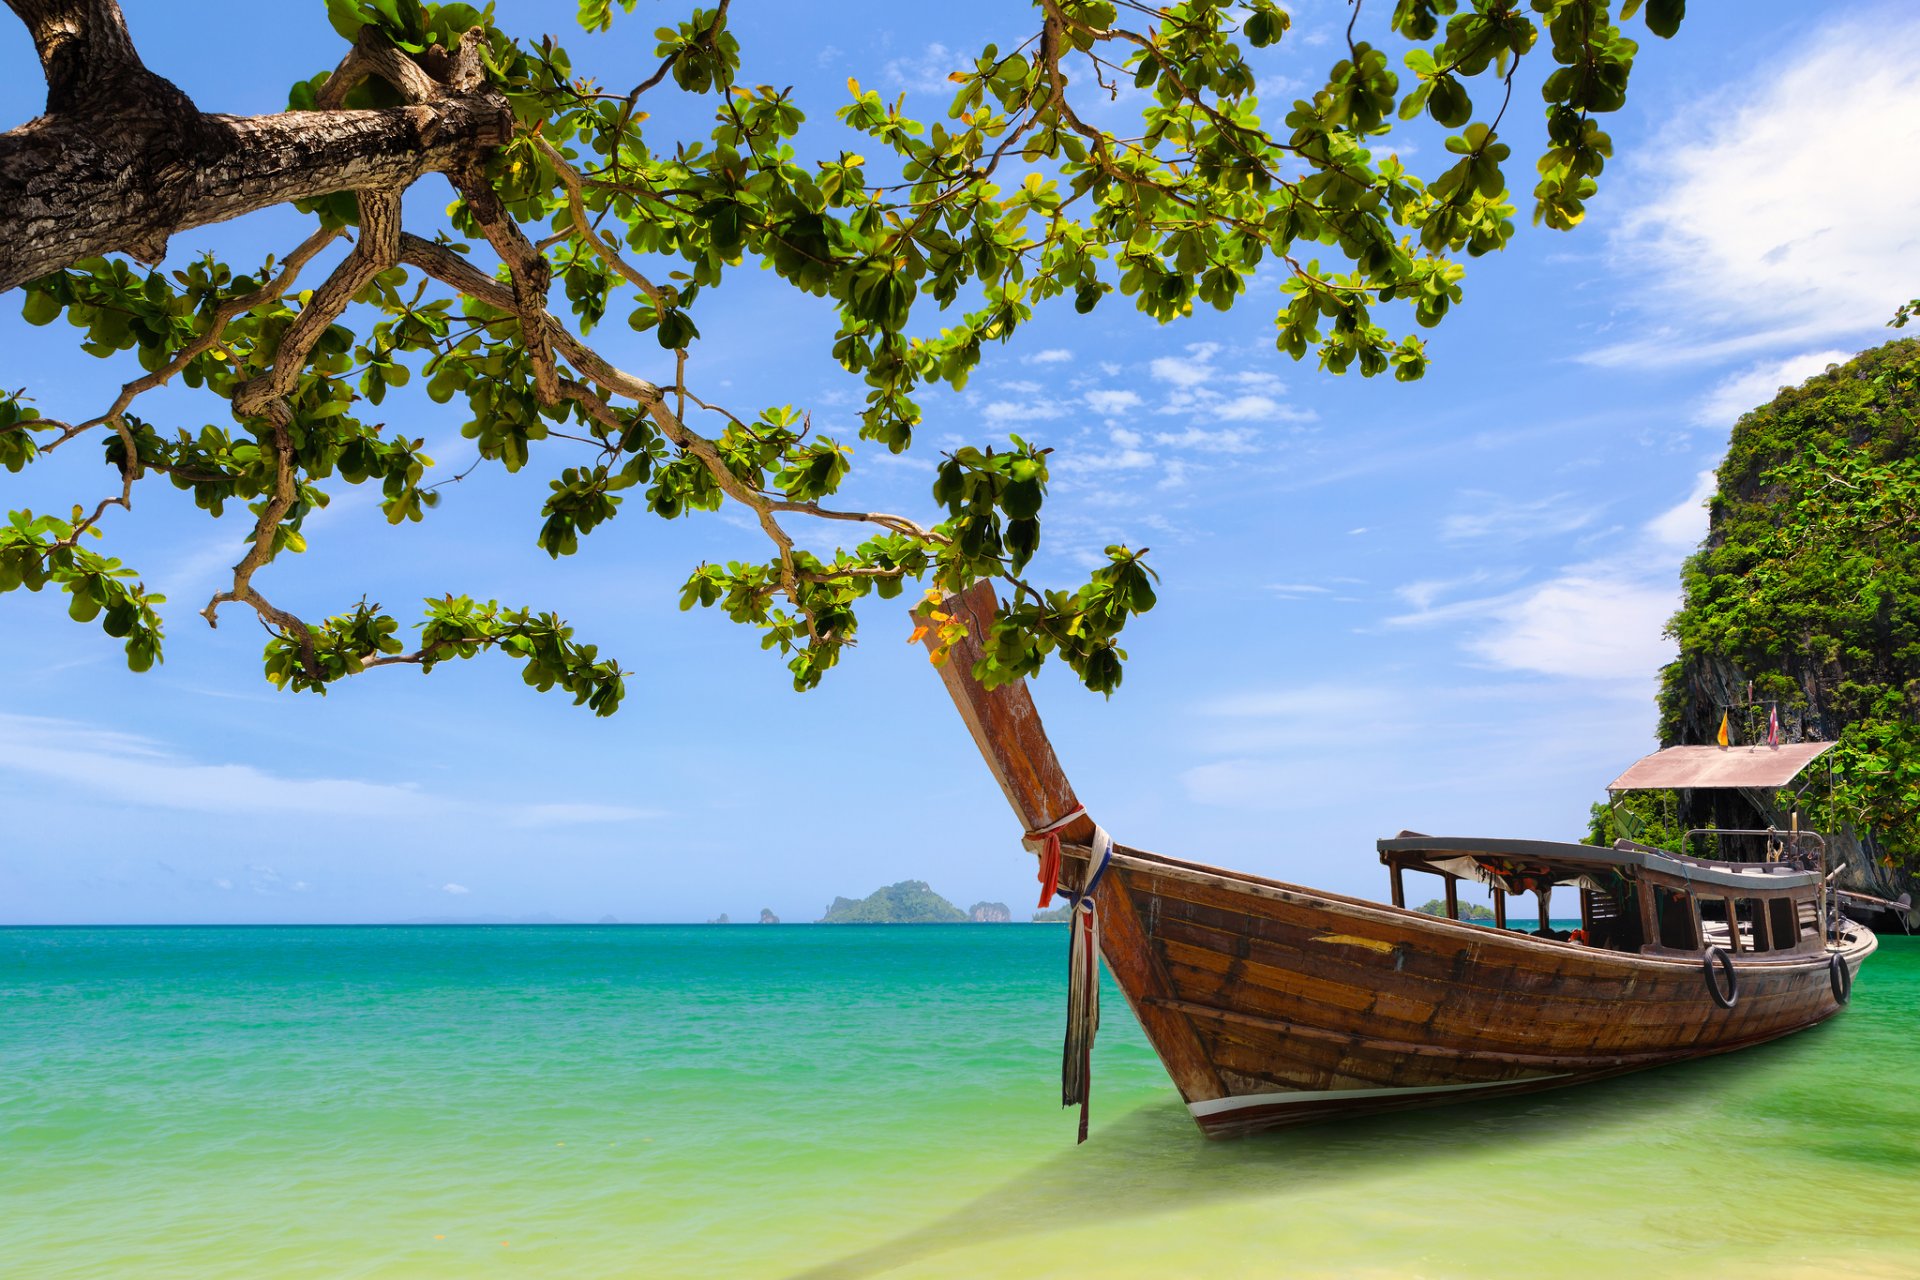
{"x":1780,"y":845}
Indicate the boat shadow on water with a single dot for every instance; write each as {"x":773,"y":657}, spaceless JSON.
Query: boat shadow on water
{"x":1151,"y":1161}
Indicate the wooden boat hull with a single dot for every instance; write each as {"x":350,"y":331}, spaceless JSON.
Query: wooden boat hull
{"x":1272,"y":1004}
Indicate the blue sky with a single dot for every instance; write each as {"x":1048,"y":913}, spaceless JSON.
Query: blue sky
{"x":1434,"y":606}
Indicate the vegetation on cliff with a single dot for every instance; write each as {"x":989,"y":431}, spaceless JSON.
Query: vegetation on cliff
{"x":1468,"y":910}
{"x":1807,"y":591}
{"x":909,"y":902}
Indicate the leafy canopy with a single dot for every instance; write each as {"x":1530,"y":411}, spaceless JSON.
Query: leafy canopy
{"x":931,"y":239}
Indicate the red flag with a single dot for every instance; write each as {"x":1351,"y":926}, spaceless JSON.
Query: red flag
{"x":1773,"y":726}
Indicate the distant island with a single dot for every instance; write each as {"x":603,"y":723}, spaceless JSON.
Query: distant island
{"x":990,"y":913}
{"x":1057,"y":915}
{"x":909,"y":902}
{"x":1468,"y":910}
{"x":767,"y":916}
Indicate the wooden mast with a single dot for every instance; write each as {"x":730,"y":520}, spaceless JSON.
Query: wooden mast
{"x":1007,"y":730}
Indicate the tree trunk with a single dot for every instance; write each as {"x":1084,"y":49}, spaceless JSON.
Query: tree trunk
{"x":123,"y":159}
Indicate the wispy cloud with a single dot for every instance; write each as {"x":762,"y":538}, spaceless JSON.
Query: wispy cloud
{"x":1601,"y":620}
{"x":1771,"y":217}
{"x":1052,"y":355}
{"x":1109,"y":403}
{"x":455,"y":889}
{"x":122,"y":768}
{"x":1226,"y":440}
{"x":926,"y":71}
{"x":126,"y":769}
{"x":1756,"y":384}
{"x":1490,"y":515}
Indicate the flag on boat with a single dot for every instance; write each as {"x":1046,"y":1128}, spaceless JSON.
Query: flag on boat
{"x":1773,"y":726}
{"x":1724,"y":737}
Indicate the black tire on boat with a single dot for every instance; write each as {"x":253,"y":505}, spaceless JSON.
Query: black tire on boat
{"x":1841,"y":979}
{"x":1728,"y":1000}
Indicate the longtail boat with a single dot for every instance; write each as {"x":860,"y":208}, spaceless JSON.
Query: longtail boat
{"x":1273,"y":1004}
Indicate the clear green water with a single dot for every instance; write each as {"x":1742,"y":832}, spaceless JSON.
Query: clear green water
{"x":815,"y":1102}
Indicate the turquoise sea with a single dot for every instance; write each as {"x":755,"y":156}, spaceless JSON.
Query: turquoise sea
{"x":846,"y":1102}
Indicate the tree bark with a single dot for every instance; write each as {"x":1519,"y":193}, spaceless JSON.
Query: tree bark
{"x":122,"y":160}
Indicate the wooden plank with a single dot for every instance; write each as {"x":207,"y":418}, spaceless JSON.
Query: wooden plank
{"x":1005,"y":725}
{"x":1006,"y":728}
{"x":1453,"y":898}
{"x":1138,"y":972}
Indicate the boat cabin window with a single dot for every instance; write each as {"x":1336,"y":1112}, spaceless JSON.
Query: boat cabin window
{"x":1612,"y":920}
{"x":1674,"y":910}
{"x":1784,"y":923}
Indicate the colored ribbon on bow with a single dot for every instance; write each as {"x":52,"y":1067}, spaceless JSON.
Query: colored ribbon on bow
{"x":1049,"y":838}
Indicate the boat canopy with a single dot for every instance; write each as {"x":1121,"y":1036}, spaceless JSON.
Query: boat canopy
{"x":1464,"y":856}
{"x":1694,"y":768}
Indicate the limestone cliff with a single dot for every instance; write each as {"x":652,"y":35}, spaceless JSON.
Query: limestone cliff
{"x":1805,"y":597}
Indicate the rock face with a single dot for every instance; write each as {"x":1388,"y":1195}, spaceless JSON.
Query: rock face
{"x":990,"y":913}
{"x":909,"y":902}
{"x":767,"y":916}
{"x":720,"y":919}
{"x":1805,"y":597}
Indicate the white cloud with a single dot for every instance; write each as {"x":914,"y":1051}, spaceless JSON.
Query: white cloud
{"x":455,"y":889}
{"x":1424,"y":594}
{"x":927,"y":71}
{"x":1053,"y":355}
{"x":1021,"y":386}
{"x":1682,"y":526}
{"x":1297,"y":590}
{"x":1589,"y":626}
{"x":1775,"y":216}
{"x":1758,"y":383}
{"x":1226,"y":440}
{"x":1259,"y":408}
{"x":1123,"y":458}
{"x":1112,"y":402}
{"x":1192,"y":370}
{"x":1023,"y":411}
{"x":1603,"y":620}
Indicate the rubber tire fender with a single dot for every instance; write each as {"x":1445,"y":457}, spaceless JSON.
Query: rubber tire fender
{"x":1840,"y":978}
{"x":1713,"y":986}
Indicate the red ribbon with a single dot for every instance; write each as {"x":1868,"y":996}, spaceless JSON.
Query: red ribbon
{"x":1049,"y":837}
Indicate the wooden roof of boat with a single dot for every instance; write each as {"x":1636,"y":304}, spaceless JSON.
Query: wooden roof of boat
{"x":1562,"y":855}
{"x":1690,"y":768}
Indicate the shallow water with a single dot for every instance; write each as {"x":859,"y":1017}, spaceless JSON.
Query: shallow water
{"x":847,"y":1102}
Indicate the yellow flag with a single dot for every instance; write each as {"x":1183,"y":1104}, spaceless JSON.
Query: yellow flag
{"x":1724,"y":738}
